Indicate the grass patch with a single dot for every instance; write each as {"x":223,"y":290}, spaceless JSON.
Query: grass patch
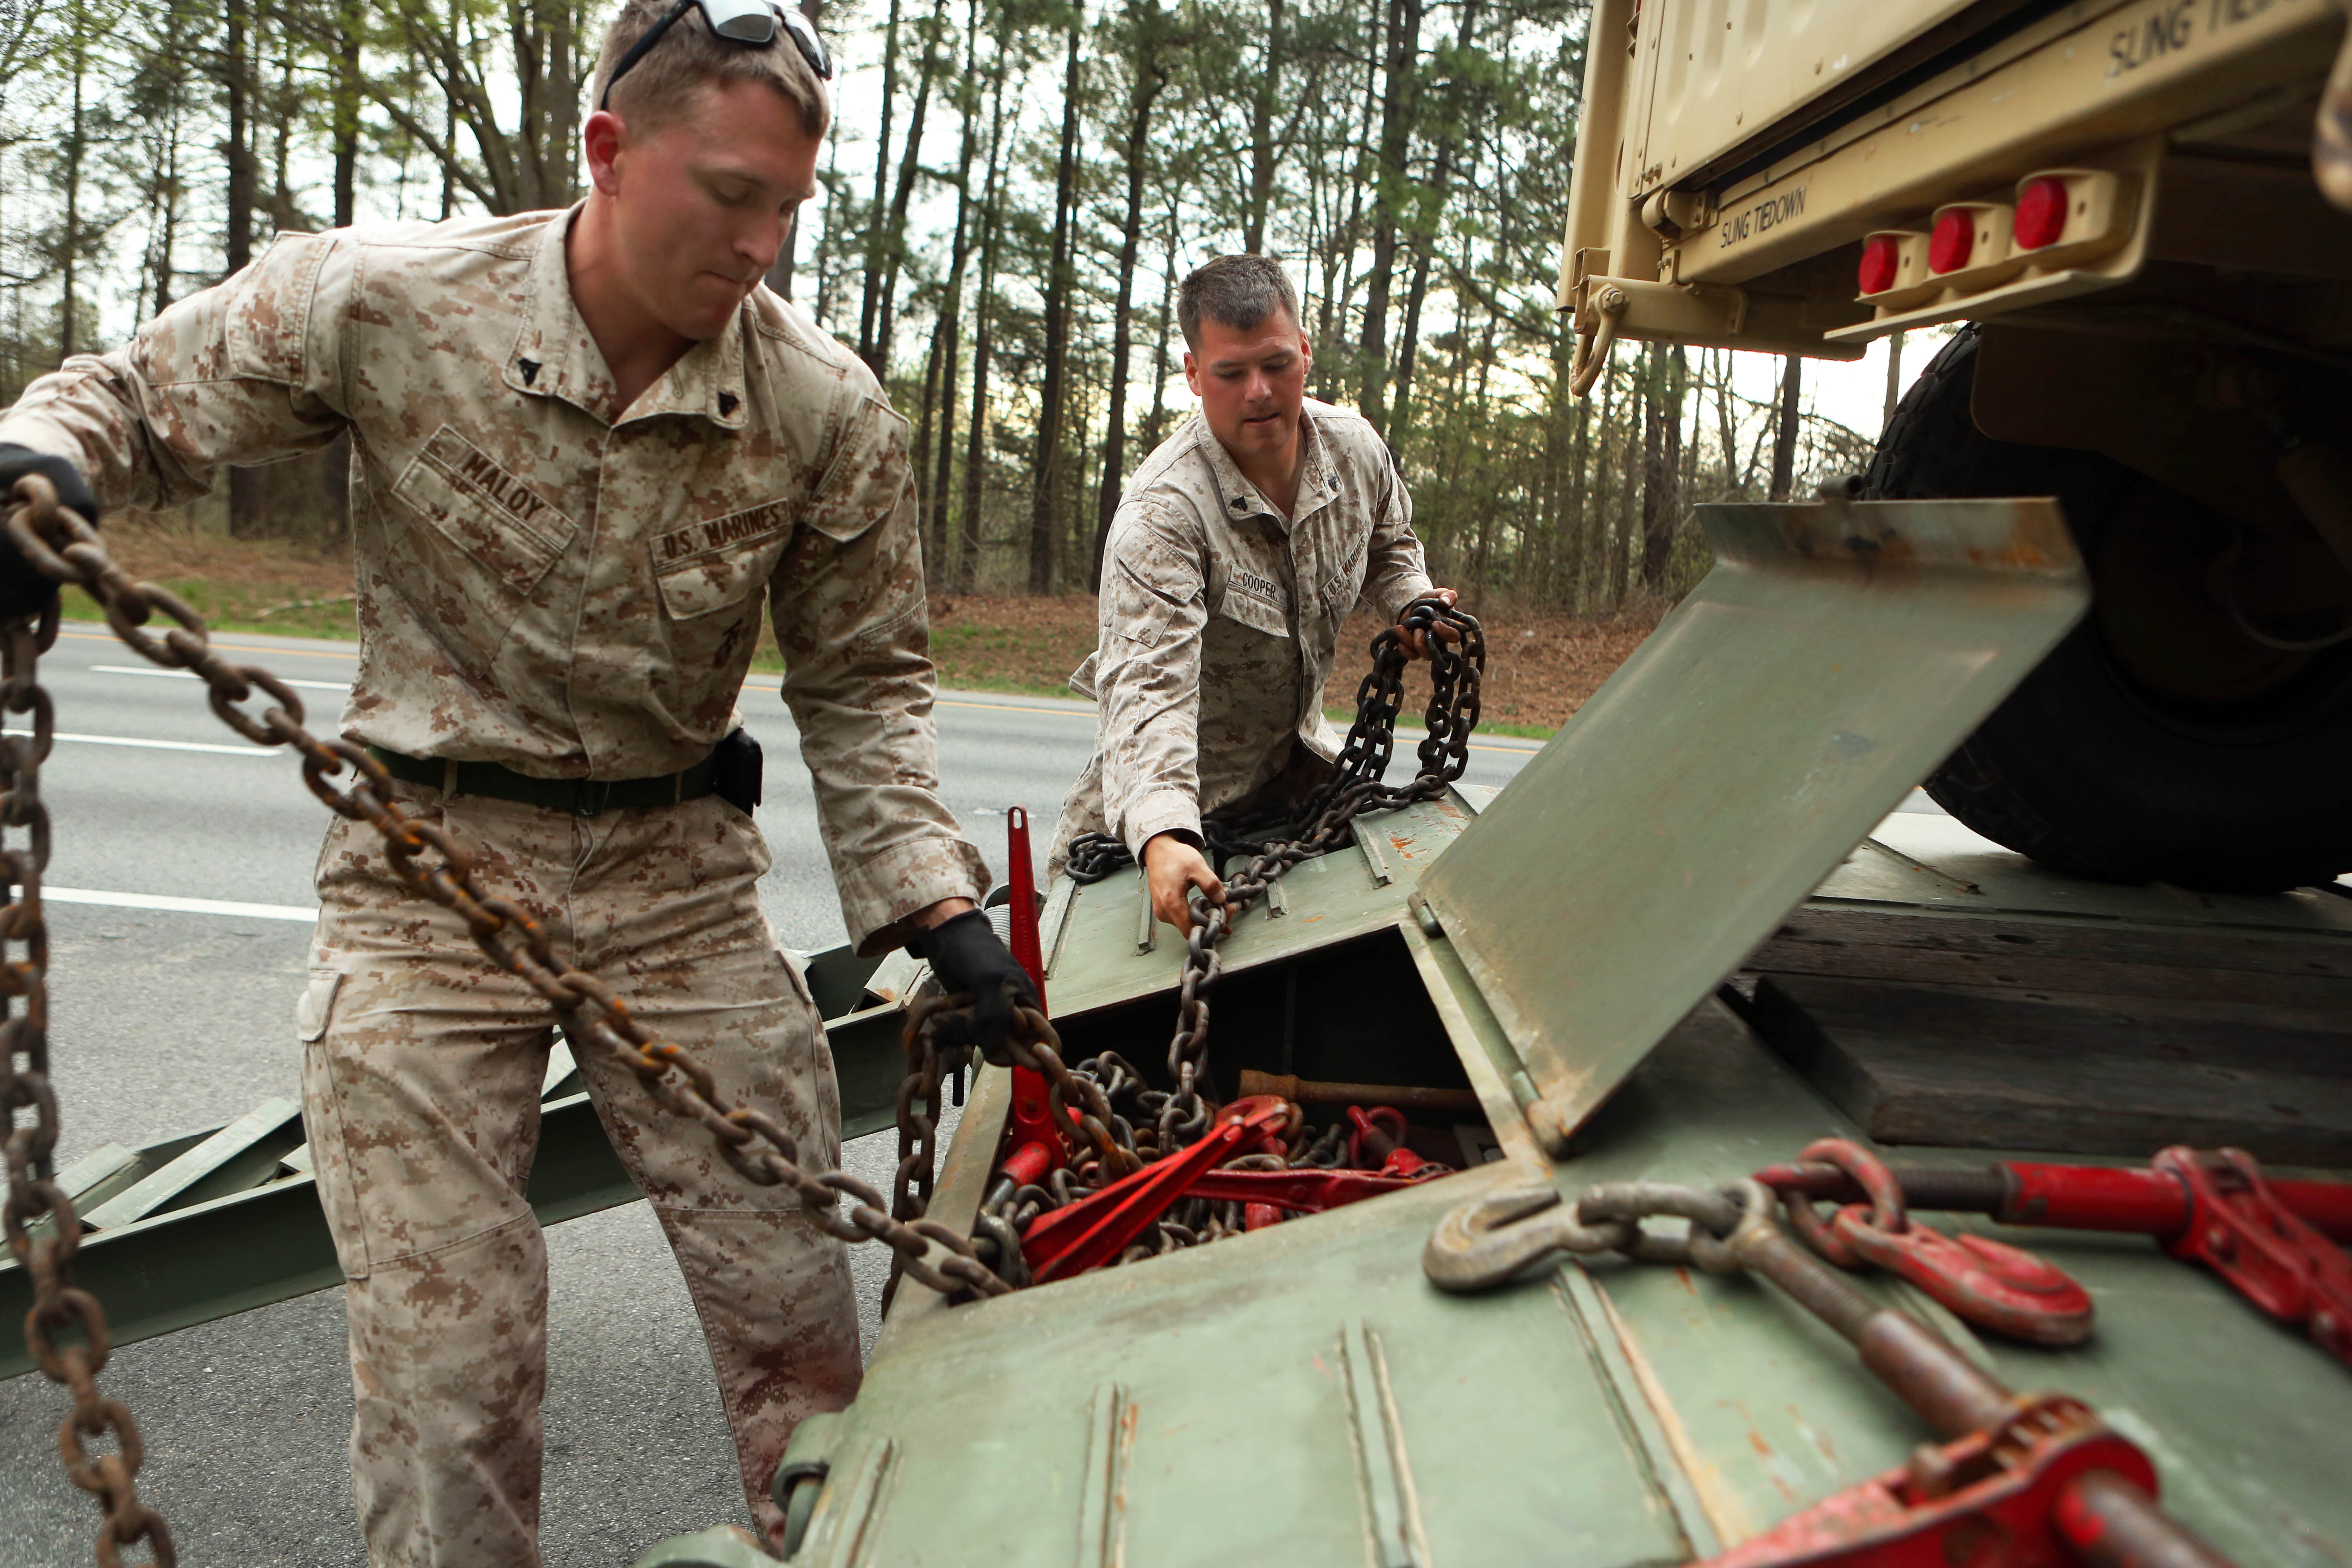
{"x":1541,"y":668}
{"x":236,"y":584}
{"x":238,"y":607}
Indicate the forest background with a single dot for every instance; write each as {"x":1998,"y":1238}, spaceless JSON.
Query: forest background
{"x":1011,"y":191}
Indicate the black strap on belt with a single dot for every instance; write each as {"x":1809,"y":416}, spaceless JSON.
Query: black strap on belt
{"x":581,"y":797}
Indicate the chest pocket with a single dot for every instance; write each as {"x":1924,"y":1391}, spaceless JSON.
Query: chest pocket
{"x":485,"y":513}
{"x":722,"y":564}
{"x":1256,"y":602}
{"x":1343,"y":587}
{"x":706,"y":584}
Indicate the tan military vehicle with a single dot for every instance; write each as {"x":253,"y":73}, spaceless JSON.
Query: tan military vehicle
{"x":2129,"y":205}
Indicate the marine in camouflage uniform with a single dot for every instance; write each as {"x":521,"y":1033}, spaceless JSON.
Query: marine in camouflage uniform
{"x":570,"y":589}
{"x":1219,"y":621}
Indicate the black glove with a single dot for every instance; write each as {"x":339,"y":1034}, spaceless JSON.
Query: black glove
{"x":23,"y":590}
{"x":966,"y":955}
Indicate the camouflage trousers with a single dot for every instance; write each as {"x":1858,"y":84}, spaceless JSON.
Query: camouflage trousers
{"x":421,"y":1067}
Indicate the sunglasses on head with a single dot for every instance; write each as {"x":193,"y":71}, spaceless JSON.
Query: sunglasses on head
{"x":752,"y":22}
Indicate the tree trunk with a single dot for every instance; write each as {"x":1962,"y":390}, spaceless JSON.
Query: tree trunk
{"x":1440,"y":177}
{"x":448,"y":169}
{"x":1629,"y":493}
{"x":1606,"y":490}
{"x":992,"y":230}
{"x":779,"y":275}
{"x":1694,"y":390}
{"x":870,"y":309}
{"x":1893,"y":378}
{"x":70,"y":250}
{"x":334,"y":462}
{"x":1735,"y":481}
{"x":283,"y":216}
{"x":1045,"y":464}
{"x":1663,"y":447}
{"x":950,"y":324}
{"x":1155,"y":428}
{"x":827,"y":257}
{"x":1403,"y":49}
{"x":168,"y":234}
{"x":935,"y":517}
{"x":1261,"y":185}
{"x":919,"y":461}
{"x":1580,"y":499}
{"x":1149,"y":78}
{"x":347,"y":120}
{"x":1343,"y":241}
{"x":1784,"y":428}
{"x":894,"y":246}
{"x":245,"y":519}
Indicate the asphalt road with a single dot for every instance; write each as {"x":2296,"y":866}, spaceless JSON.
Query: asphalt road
{"x":168,"y":1020}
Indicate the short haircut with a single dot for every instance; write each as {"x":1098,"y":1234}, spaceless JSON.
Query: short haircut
{"x":1237,"y":292}
{"x":664,"y":81}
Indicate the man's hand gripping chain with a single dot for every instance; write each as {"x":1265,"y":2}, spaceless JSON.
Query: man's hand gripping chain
{"x":67,"y":549}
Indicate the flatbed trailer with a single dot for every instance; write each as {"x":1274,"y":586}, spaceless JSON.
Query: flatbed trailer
{"x":1689,"y":940}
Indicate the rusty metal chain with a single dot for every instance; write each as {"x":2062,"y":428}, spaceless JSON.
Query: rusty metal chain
{"x":1275,"y":840}
{"x":1457,"y":674}
{"x":46,"y":1251}
{"x":919,"y":1132}
{"x":1032,"y":1043}
{"x":1456,"y":671}
{"x":1042,"y":1052}
{"x":64,"y":547}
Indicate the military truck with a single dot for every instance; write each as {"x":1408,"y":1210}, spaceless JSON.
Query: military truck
{"x":2125,"y":202}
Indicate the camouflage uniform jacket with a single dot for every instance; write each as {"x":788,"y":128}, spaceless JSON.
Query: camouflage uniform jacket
{"x":1220,"y":619}
{"x":545,"y":580}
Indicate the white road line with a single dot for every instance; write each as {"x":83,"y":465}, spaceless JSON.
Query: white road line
{"x":182,"y":906}
{"x":191,"y":675}
{"x":172,"y":745}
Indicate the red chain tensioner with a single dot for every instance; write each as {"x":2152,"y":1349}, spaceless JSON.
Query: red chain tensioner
{"x":2276,"y":1259}
{"x":2031,"y":1492}
{"x":1036,"y":1146}
{"x":2275,"y":1242}
{"x":1377,"y":1143}
{"x":1988,"y":1282}
{"x":1096,"y":1229}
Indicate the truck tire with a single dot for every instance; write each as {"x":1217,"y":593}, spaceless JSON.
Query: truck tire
{"x":2089,"y":769}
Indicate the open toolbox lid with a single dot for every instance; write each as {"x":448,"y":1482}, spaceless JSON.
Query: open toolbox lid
{"x":1837,"y":653}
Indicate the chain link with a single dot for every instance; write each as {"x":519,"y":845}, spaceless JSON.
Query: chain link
{"x":1355,"y":787}
{"x":423,"y":855}
{"x":42,"y":1229}
{"x":1273,"y":840}
{"x":919,"y":1131}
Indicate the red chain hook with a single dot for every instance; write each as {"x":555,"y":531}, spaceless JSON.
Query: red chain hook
{"x":1988,"y":1282}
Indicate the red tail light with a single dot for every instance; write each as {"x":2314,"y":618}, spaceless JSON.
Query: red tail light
{"x":2040,"y":212}
{"x":1954,"y":238}
{"x":1880,"y":255}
